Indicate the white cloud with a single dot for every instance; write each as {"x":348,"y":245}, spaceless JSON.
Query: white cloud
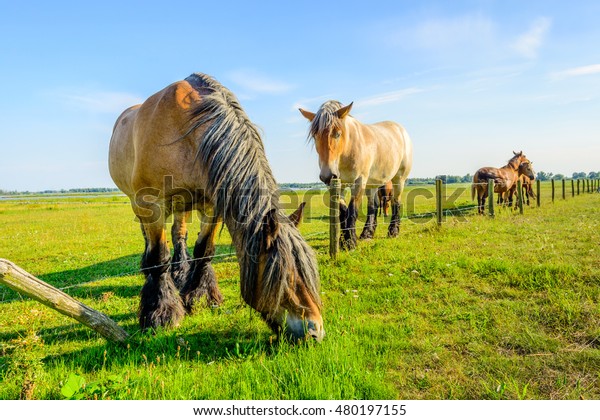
{"x":101,"y":102}
{"x":258,"y":83}
{"x":388,"y":97}
{"x":529,"y":43}
{"x":312,"y":104}
{"x":576,"y":71}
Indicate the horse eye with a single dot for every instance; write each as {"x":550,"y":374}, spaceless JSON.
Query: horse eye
{"x":337,"y":135}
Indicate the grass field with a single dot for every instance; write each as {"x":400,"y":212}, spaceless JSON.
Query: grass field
{"x":503,"y":308}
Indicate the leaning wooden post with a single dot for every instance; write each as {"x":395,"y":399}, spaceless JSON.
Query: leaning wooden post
{"x":520,"y":196}
{"x":439,"y":205}
{"x":22,"y":282}
{"x":553,"y":191}
{"x":564,"y":189}
{"x":572,"y":188}
{"x":335,"y":189}
{"x":491,"y":196}
{"x":538,"y":188}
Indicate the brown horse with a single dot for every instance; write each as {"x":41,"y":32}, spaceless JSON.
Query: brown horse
{"x":384,"y":195}
{"x":363,"y":156}
{"x":192,"y":147}
{"x":526,"y":176}
{"x":504,"y":178}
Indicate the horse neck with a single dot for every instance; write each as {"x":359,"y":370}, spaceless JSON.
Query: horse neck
{"x":245,"y":211}
{"x":513,"y":164}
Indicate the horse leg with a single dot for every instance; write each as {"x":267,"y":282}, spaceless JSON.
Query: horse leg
{"x":348,"y":236}
{"x":160,"y":304}
{"x":394,"y":227}
{"x":201,"y":279}
{"x":180,"y":264}
{"x":482,"y":198}
{"x":371,"y":223}
{"x":343,"y":220}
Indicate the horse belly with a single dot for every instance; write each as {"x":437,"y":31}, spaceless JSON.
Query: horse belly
{"x":393,"y":153}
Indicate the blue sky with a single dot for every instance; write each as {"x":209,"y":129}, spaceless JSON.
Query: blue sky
{"x":470,"y":80}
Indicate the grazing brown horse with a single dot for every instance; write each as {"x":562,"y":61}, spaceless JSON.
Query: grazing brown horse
{"x":504,"y":178}
{"x":384,"y":195}
{"x":192,"y":147}
{"x":363,"y":156}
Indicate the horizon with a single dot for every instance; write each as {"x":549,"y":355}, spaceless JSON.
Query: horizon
{"x":470,"y":80}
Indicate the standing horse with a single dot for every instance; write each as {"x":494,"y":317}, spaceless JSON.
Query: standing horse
{"x":192,"y":147}
{"x":504,"y":178}
{"x":384,"y":195}
{"x":526,"y":176}
{"x":364,"y":157}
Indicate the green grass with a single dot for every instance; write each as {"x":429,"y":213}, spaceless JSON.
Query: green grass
{"x":503,"y":308}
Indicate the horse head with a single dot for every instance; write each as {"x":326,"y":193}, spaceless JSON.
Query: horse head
{"x":329,"y":132}
{"x":286,"y":291}
{"x":526,"y":168}
{"x":517,"y":160}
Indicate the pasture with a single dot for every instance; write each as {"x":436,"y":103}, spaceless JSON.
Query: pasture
{"x":502,"y":308}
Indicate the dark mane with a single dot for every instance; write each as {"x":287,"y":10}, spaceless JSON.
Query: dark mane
{"x":243,"y":190}
{"x":325,"y":119}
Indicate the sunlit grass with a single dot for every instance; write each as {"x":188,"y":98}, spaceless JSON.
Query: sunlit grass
{"x":480,"y":308}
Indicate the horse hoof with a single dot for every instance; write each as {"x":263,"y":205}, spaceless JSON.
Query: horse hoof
{"x":163,"y":316}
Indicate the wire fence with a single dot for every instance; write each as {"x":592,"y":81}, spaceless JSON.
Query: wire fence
{"x":334,"y":232}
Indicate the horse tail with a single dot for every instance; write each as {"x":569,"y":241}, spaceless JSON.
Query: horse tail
{"x":473,"y":186}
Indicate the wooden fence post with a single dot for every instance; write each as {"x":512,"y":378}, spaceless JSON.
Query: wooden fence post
{"x":537,"y":187}
{"x":572,"y":188}
{"x":564,"y":189}
{"x":588,"y":185}
{"x":439,"y":205}
{"x":335,"y":189}
{"x":553,"y":191}
{"x":22,"y":282}
{"x":520,"y":195}
{"x":491,"y":197}
{"x":578,"y":186}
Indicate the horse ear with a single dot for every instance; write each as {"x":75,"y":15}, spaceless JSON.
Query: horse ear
{"x":296,"y":216}
{"x":307,"y":114}
{"x":342,"y":112}
{"x":271,"y":228}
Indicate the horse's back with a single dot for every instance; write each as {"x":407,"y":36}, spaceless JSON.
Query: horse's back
{"x":121,"y":151}
{"x":147,"y":142}
{"x":393,"y":149}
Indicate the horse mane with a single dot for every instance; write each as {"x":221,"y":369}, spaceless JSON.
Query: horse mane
{"x":243,"y":190}
{"x":325,"y":119}
{"x":513,"y":161}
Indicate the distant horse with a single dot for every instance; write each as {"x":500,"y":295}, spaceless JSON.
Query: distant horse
{"x":363,"y":157}
{"x":526,"y":176}
{"x":192,"y":147}
{"x":504,"y":178}
{"x":384,"y":195}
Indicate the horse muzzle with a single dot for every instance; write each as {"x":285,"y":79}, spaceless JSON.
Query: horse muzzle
{"x":299,"y":329}
{"x":326,"y":179}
